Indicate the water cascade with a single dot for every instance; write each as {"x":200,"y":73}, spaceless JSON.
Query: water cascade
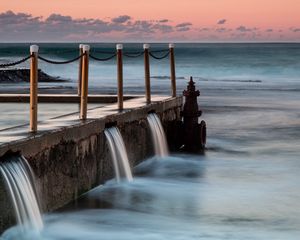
{"x":158,"y":135}
{"x":20,"y":182}
{"x":119,"y":154}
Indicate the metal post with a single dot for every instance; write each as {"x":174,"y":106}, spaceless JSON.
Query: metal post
{"x":34,"y":49}
{"x":84,"y":85}
{"x":120,"y":75}
{"x":172,"y":66}
{"x":147,"y":73}
{"x":80,"y":70}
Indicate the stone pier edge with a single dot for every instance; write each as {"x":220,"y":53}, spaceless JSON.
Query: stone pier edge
{"x":73,"y":159}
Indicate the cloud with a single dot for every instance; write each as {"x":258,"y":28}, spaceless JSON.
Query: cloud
{"x":184,"y":29}
{"x":140,"y":27}
{"x":204,"y":29}
{"x":164,"y":20}
{"x":57,"y":18}
{"x":15,"y":26}
{"x":183,"y":25}
{"x":121,"y":19}
{"x":163,"y":28}
{"x":11,"y":18}
{"x":148,"y":27}
{"x":222,"y":30}
{"x":57,"y":27}
{"x":9,"y":21}
{"x":222,"y":21}
{"x":244,"y":29}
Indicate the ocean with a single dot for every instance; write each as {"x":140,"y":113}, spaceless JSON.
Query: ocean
{"x":213,"y":66}
{"x":245,"y":186}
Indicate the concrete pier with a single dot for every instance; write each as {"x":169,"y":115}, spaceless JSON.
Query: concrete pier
{"x":70,"y":156}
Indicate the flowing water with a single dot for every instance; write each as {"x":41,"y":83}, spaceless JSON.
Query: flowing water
{"x":245,"y":186}
{"x":118,"y":154}
{"x":158,"y":135}
{"x":19,"y":179}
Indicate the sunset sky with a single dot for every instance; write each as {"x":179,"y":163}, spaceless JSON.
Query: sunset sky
{"x":151,"y":20}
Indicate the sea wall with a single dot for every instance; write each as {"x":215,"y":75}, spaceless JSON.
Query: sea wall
{"x":72,"y":160}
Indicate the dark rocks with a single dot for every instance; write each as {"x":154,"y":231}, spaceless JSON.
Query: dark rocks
{"x":23,"y":75}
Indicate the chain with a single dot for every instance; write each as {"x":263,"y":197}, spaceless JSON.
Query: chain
{"x":160,"y":57}
{"x":103,"y":59}
{"x":15,"y":63}
{"x":63,"y":62}
{"x":133,"y":54}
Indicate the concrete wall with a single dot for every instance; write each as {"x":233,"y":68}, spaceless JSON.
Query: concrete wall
{"x":73,"y":160}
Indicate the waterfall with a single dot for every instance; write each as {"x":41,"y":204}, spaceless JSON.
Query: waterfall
{"x":158,"y":136}
{"x":119,"y":154}
{"x":20,"y":182}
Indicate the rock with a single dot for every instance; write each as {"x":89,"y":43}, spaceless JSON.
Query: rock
{"x":23,"y":75}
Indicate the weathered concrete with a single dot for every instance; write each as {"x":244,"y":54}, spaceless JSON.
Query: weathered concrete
{"x":6,"y":208}
{"x":70,"y":156}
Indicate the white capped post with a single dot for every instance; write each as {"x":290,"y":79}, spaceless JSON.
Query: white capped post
{"x":171,"y":45}
{"x":119,"y":48}
{"x":147,"y":73}
{"x":34,"y":49}
{"x":172,"y":68}
{"x":146,"y":46}
{"x":85,"y":48}
{"x":84,"y":85}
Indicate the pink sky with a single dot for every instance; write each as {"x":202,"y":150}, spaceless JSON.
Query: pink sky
{"x":189,"y":20}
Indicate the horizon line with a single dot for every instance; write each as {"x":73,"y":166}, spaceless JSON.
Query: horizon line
{"x":151,"y":42}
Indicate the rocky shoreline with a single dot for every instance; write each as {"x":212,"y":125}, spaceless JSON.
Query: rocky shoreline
{"x":23,"y":75}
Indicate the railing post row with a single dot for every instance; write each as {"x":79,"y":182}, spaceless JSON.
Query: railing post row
{"x":120,"y":75}
{"x":34,"y":49}
{"x":83,"y":75}
{"x":172,"y":67}
{"x":84,"y":84}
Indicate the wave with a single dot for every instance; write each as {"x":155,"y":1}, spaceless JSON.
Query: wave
{"x":270,"y":89}
{"x":230,"y":80}
{"x":210,"y":79}
{"x":225,"y":150}
{"x":166,"y":77}
{"x":182,"y":166}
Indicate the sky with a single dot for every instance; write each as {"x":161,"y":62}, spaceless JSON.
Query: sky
{"x":150,"y":20}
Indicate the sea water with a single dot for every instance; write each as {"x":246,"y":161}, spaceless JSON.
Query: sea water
{"x":214,"y":66}
{"x":245,"y":186}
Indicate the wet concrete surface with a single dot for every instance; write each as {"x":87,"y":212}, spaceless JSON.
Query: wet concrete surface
{"x":133,"y":109}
